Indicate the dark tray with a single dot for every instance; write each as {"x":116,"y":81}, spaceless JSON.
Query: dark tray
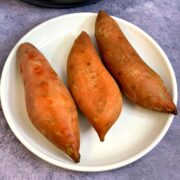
{"x":60,"y":3}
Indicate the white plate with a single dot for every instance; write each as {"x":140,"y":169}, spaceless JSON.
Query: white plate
{"x":135,"y":133}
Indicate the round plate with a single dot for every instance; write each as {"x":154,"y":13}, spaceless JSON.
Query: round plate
{"x":136,"y":132}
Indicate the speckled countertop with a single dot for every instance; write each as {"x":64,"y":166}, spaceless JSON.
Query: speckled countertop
{"x":160,"y":19}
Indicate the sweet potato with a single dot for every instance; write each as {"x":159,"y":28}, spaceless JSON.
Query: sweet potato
{"x":136,"y":79}
{"x":93,"y":88}
{"x":49,"y":104}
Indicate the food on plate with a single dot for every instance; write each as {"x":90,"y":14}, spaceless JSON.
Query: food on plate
{"x":93,"y":88}
{"x":48,"y":102}
{"x":136,"y":79}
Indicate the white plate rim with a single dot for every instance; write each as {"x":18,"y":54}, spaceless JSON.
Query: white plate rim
{"x":72,"y":166}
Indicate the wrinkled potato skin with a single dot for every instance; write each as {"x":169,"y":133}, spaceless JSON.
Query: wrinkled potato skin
{"x":136,"y":79}
{"x":49,"y":104}
{"x":92,"y":87}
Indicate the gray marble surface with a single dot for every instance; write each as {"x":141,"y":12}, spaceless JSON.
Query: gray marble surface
{"x":160,"y":19}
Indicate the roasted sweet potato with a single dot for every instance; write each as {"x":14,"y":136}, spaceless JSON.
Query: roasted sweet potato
{"x":93,"y":88}
{"x":49,"y":104}
{"x":136,"y":79}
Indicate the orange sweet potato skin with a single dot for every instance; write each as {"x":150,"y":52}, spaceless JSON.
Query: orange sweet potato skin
{"x":136,"y":79}
{"x":49,"y":104}
{"x":93,"y":88}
